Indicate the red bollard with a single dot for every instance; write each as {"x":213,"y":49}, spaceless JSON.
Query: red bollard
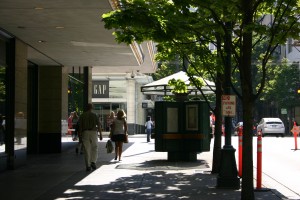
{"x":259,"y":161}
{"x":240,"y":134}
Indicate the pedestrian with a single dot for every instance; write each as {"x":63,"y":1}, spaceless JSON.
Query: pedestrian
{"x":119,"y":131}
{"x":110,"y":121}
{"x":212,"y":120}
{"x":89,"y":126}
{"x":148,"y":125}
{"x":74,"y":126}
{"x":79,"y":145}
{"x":70,"y":125}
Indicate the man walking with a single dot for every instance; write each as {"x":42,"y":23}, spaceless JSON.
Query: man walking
{"x":148,"y":125}
{"x":89,"y":125}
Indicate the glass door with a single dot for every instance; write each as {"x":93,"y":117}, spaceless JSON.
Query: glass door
{"x":2,"y":94}
{"x":104,"y":110}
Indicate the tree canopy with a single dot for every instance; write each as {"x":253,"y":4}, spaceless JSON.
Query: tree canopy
{"x":189,"y":28}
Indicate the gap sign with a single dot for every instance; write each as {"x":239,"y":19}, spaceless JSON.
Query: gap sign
{"x":100,"y":89}
{"x":228,"y":105}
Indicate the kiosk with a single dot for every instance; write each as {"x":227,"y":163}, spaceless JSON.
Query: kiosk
{"x":182,"y":129}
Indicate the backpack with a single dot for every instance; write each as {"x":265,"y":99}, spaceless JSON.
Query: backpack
{"x":109,"y":146}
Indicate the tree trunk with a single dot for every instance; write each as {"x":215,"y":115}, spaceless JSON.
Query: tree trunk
{"x":245,"y":68}
{"x":247,"y":163}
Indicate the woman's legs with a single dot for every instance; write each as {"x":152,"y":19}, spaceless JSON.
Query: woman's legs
{"x":116,"y":150}
{"x":120,"y":145}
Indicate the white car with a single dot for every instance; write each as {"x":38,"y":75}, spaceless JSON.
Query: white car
{"x":271,"y":126}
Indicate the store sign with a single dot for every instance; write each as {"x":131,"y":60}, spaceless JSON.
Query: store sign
{"x":100,"y":89}
{"x":228,"y":105}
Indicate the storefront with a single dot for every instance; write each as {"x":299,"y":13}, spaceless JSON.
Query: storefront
{"x":113,"y":92}
{"x":3,"y":69}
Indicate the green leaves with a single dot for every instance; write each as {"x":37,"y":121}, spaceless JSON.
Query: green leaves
{"x":178,"y":86}
{"x":188,"y":28}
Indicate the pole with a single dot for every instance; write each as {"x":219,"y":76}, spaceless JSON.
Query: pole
{"x":259,"y":161}
{"x":228,"y":175}
{"x":240,"y":136}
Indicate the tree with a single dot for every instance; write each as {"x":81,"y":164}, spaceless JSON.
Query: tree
{"x":188,"y":27}
{"x":75,"y":94}
{"x":165,"y":69}
{"x":282,"y":84}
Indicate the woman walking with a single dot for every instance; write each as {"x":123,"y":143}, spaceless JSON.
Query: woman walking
{"x":119,"y":131}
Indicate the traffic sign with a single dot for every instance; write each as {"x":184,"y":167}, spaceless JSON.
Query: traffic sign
{"x":229,"y":105}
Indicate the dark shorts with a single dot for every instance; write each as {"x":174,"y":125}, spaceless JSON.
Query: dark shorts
{"x":119,"y":138}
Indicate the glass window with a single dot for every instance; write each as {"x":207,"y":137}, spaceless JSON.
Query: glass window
{"x":2,"y":94}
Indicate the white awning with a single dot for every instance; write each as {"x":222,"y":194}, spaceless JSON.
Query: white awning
{"x":161,"y":87}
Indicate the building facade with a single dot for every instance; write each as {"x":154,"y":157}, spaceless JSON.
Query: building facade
{"x":112,"y":92}
{"x":39,"y":52}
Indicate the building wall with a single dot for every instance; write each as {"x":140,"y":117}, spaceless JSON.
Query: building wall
{"x":50,"y":108}
{"x":64,"y":93}
{"x":141,"y":112}
{"x":20,"y":134}
{"x":131,"y":101}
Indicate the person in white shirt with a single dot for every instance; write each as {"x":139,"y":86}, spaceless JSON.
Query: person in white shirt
{"x":148,"y":126}
{"x":119,"y":131}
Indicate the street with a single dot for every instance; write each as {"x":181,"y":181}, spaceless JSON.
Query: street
{"x":280,"y":164}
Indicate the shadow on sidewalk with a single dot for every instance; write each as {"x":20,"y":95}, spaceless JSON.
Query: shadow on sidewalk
{"x":57,"y":176}
{"x":152,"y":185}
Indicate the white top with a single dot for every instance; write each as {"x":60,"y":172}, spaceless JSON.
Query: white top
{"x":119,"y":126}
{"x":149,"y":124}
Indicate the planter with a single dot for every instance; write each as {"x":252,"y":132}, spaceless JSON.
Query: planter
{"x":180,"y":97}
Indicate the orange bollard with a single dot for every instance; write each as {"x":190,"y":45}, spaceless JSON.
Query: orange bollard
{"x":240,"y":134}
{"x":295,"y":137}
{"x":295,"y":132}
{"x":259,"y":161}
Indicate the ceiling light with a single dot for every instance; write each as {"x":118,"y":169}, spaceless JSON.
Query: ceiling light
{"x":59,"y":27}
{"x":41,"y":41}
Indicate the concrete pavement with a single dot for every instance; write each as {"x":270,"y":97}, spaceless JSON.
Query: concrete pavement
{"x":142,"y":174}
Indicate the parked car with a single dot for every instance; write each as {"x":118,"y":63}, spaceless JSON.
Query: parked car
{"x":271,"y":126}
{"x":240,"y":124}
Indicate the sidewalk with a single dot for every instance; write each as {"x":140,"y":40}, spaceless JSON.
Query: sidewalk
{"x":142,"y":174}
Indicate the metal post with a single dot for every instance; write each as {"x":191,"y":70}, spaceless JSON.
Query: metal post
{"x":240,"y":136}
{"x":227,"y":177}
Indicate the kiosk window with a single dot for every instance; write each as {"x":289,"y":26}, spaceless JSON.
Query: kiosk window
{"x":172,"y":120}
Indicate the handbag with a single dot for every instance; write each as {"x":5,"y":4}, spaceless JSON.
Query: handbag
{"x":126,"y":138}
{"x":109,"y":146}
